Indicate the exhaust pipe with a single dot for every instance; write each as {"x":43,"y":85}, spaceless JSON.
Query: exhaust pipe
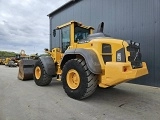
{"x":100,"y":27}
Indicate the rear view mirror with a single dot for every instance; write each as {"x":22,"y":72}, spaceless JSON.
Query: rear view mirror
{"x":54,"y":33}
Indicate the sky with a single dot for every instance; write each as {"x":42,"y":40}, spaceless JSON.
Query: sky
{"x":24,"y":24}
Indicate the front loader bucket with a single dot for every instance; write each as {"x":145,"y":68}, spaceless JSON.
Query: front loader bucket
{"x":26,"y":69}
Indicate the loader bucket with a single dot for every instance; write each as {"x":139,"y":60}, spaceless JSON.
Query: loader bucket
{"x":26,"y":69}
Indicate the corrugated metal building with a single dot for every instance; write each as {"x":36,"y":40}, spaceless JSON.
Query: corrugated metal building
{"x":137,"y":20}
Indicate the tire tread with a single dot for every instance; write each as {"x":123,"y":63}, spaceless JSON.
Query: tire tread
{"x":45,"y":79}
{"x":91,"y":79}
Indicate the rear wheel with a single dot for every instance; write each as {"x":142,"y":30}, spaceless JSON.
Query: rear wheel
{"x":40,"y":76}
{"x":78,"y":81}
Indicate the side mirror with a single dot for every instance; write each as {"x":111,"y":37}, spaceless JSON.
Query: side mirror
{"x":54,"y":33}
{"x":46,"y":49}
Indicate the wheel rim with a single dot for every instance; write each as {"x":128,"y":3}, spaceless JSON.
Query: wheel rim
{"x":37,"y":72}
{"x":73,"y":79}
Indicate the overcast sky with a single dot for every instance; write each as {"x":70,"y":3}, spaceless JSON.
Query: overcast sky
{"x":24,"y":24}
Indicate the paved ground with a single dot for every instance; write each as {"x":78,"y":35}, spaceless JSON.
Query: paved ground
{"x":23,"y":100}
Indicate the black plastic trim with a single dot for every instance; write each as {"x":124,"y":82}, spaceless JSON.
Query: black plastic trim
{"x":90,"y":57}
{"x":49,"y":65}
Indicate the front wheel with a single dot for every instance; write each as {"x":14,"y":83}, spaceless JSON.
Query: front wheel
{"x":78,"y":81}
{"x":40,"y":76}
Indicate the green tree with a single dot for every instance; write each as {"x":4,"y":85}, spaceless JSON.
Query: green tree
{"x":4,"y":54}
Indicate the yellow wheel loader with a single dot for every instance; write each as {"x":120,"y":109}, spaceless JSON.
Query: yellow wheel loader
{"x":6,"y":61}
{"x":85,"y":60}
{"x":1,"y":61}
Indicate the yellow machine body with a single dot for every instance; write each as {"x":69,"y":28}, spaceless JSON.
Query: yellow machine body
{"x":114,"y":70}
{"x":6,"y":61}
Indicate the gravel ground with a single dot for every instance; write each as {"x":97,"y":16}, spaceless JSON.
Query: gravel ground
{"x":24,"y":100}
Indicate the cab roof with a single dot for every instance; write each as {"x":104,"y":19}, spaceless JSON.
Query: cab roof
{"x":79,"y":23}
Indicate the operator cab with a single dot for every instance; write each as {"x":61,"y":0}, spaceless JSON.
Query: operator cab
{"x":72,"y":32}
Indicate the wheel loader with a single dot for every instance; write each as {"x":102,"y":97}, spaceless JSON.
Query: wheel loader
{"x":85,"y":60}
{"x":6,"y":61}
{"x":1,"y":61}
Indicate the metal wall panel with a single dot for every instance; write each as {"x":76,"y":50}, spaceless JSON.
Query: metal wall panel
{"x":143,"y":32}
{"x":109,"y":19}
{"x":78,"y":12}
{"x":86,"y":12}
{"x":157,"y":41}
{"x":137,"y":20}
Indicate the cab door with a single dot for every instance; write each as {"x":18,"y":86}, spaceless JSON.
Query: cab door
{"x":65,"y":38}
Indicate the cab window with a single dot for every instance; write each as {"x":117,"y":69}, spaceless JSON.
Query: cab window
{"x":65,"y":38}
{"x":80,"y":33}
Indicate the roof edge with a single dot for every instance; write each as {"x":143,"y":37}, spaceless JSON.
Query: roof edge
{"x":61,"y":7}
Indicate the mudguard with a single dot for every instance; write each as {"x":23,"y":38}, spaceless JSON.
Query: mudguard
{"x":49,"y":65}
{"x":90,"y":57}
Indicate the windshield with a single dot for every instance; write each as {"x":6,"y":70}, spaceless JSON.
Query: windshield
{"x":80,"y":33}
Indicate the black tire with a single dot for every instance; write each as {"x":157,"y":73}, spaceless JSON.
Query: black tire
{"x":44,"y":78}
{"x":88,"y":80}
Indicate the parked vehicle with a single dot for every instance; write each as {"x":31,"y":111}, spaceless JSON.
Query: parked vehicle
{"x":12,"y":64}
{"x":85,"y":60}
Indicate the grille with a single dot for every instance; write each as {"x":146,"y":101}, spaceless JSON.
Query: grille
{"x":135,"y":55}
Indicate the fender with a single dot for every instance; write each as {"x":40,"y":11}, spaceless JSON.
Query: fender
{"x":49,"y":65}
{"x":90,"y":57}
